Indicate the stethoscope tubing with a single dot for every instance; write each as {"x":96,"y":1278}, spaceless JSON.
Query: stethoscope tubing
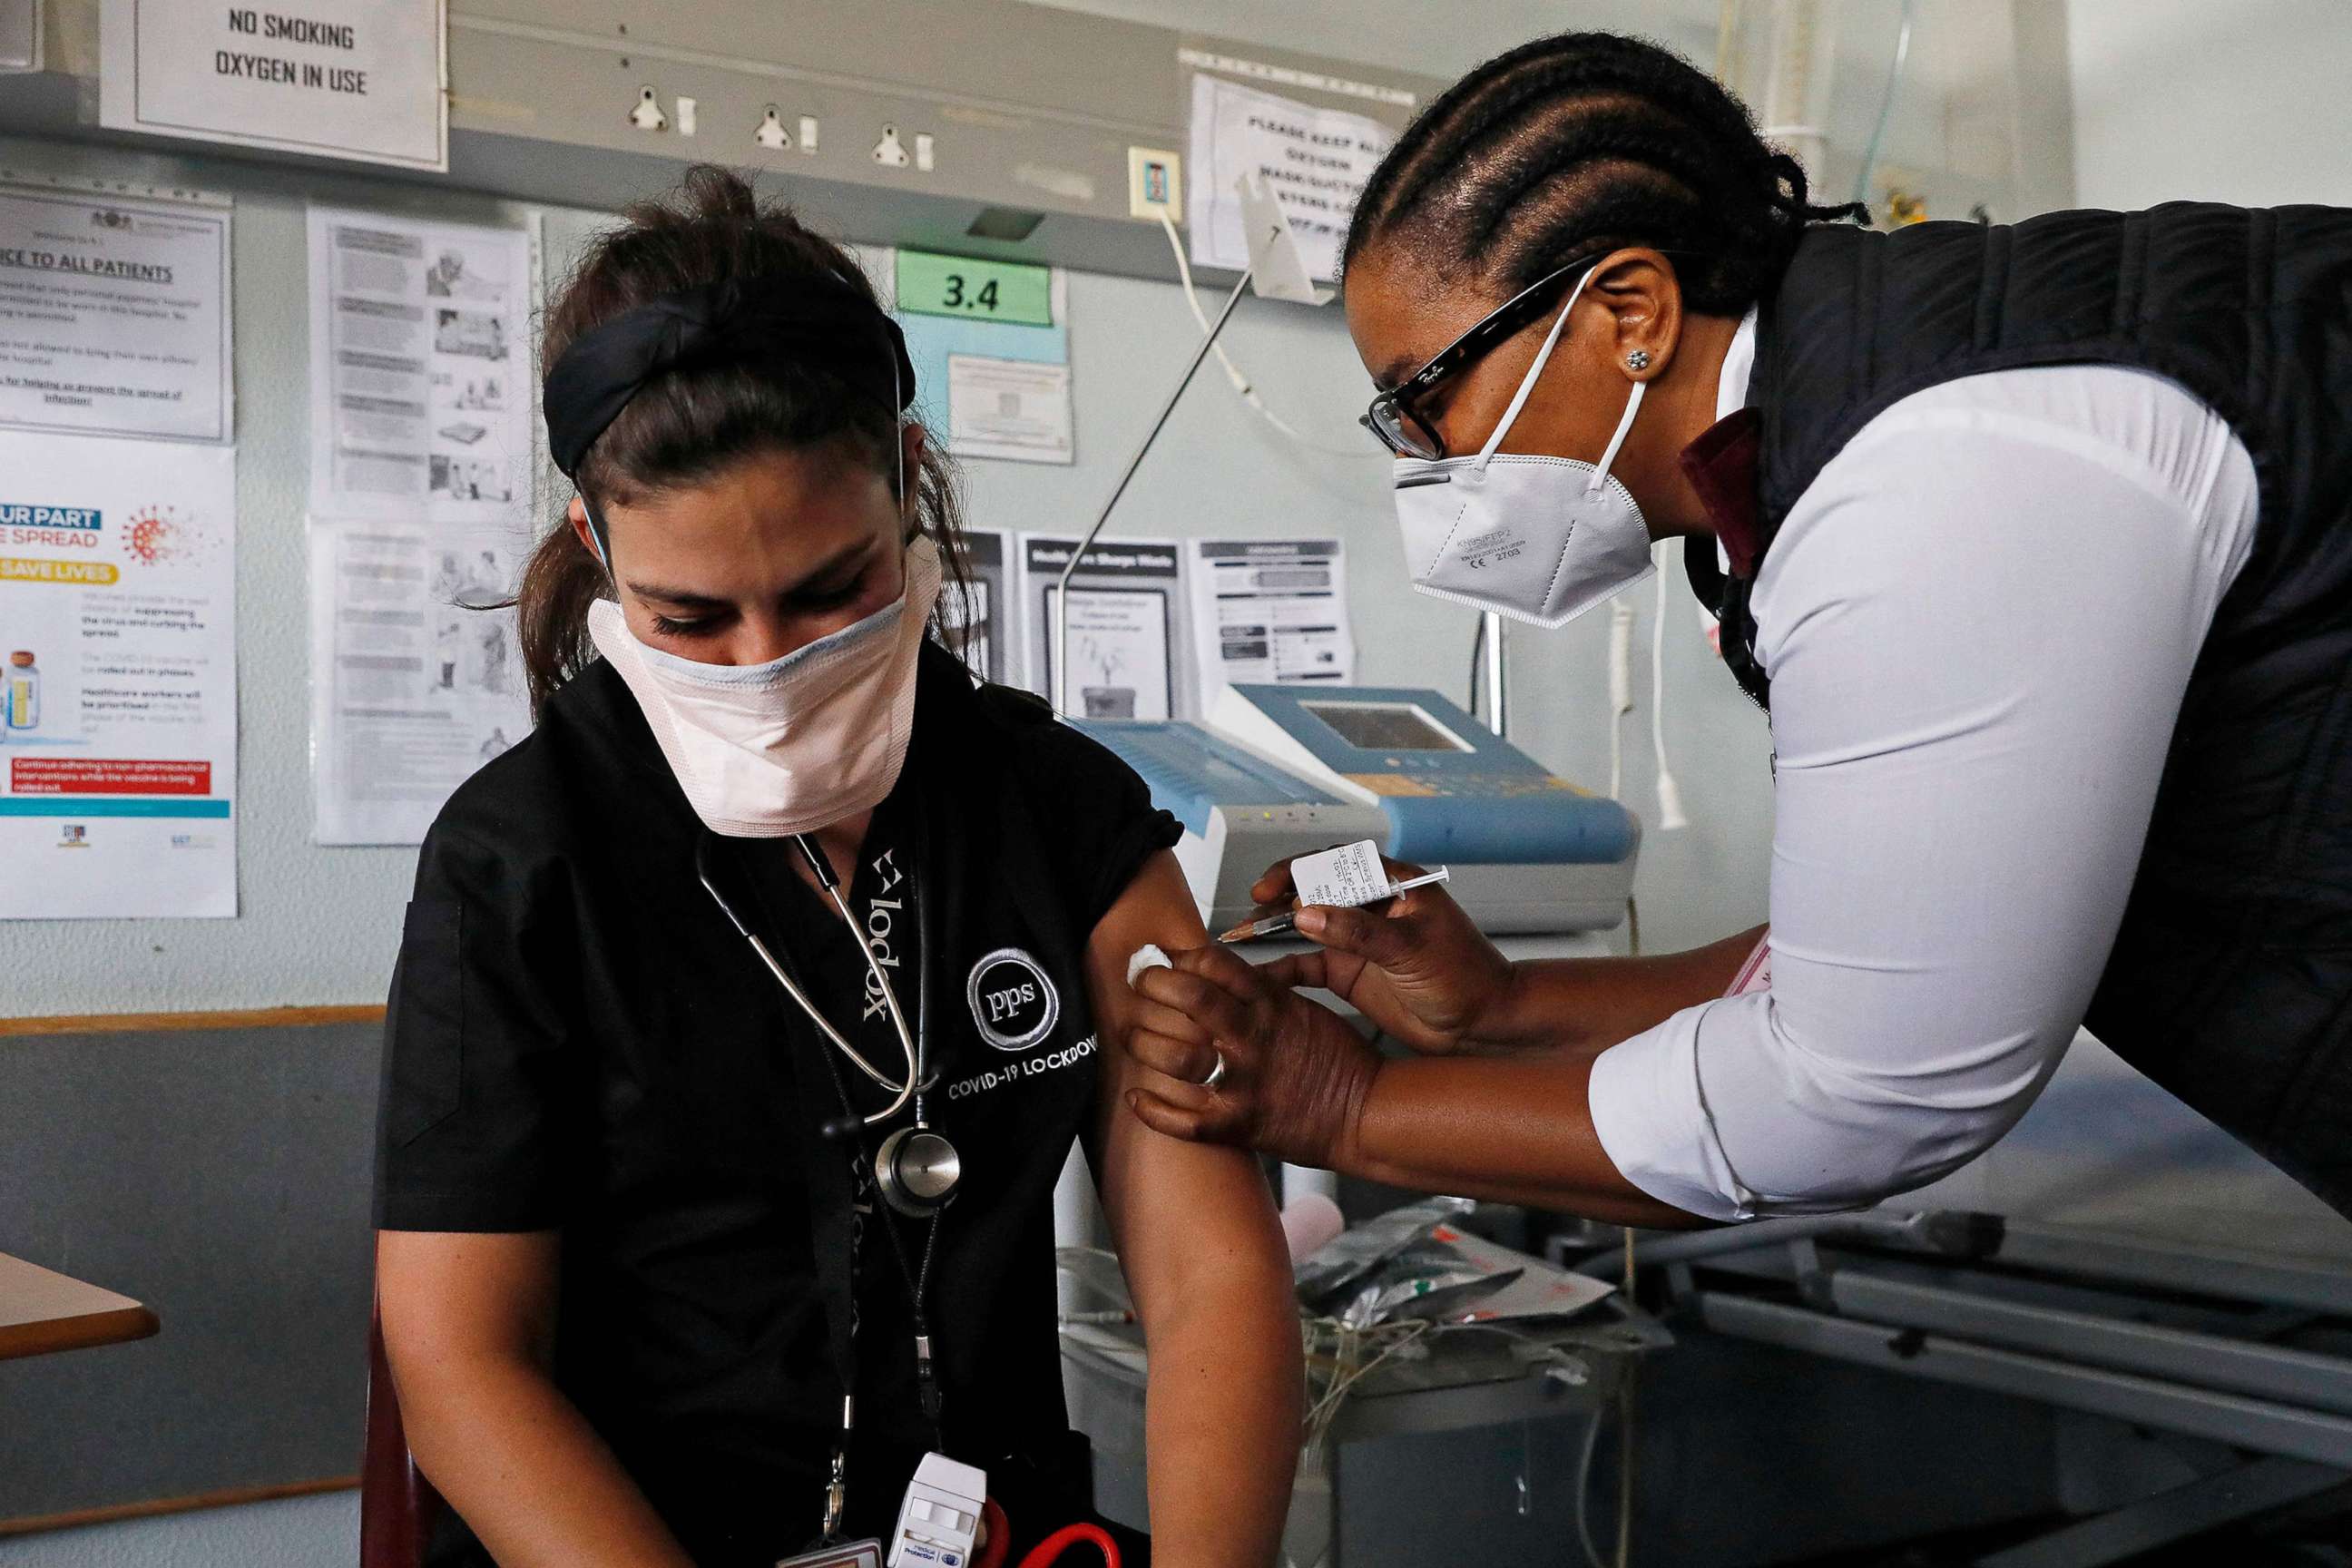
{"x":903,"y":1091}
{"x":907,"y":1039}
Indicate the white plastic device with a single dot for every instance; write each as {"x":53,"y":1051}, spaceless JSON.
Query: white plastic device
{"x":941,"y":1517}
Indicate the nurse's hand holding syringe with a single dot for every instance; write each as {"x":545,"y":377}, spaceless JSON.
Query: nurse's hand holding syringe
{"x":1493,"y":1101}
{"x":1286,"y":922}
{"x":1419,"y":970}
{"x":1402,"y":954}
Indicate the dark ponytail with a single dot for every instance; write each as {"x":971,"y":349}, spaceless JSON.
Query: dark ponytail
{"x":1577,"y":145}
{"x":691,"y":423}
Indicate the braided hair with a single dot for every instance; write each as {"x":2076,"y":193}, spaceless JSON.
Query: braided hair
{"x":1579,"y":144}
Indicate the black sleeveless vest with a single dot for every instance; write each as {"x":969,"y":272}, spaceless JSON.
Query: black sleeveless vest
{"x":2230,"y":982}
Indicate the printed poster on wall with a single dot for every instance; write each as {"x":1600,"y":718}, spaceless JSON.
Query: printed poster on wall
{"x":420,"y":370}
{"x":1315,"y":160}
{"x":114,"y":316}
{"x":338,"y":78}
{"x":118,"y":678}
{"x":975,"y":619}
{"x":416,"y":678}
{"x":1268,"y":611}
{"x":1128,"y":627}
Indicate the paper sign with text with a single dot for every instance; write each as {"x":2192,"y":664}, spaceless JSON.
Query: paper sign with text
{"x":336,"y":78}
{"x":1315,"y":160}
{"x":114,"y":315}
{"x":118,"y":678}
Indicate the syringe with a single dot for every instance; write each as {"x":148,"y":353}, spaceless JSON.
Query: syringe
{"x":1276,"y":925}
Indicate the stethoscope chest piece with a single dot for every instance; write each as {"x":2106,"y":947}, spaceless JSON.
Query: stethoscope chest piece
{"x":917,"y":1170}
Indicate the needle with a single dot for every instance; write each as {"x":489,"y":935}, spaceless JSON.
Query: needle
{"x":1275,"y":925}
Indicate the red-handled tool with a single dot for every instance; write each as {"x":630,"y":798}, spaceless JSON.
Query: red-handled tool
{"x":1046,"y":1553}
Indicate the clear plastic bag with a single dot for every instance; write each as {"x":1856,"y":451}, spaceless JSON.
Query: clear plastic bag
{"x":1431,"y":1280}
{"x":1324,"y":1279}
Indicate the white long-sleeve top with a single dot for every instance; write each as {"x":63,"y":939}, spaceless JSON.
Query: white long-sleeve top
{"x":1979,"y":623}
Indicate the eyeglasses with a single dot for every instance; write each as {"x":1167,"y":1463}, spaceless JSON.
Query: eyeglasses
{"x":1393,"y":416}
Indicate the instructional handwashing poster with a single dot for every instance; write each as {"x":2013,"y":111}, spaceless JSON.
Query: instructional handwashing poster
{"x":421,"y":369}
{"x":417,"y":677}
{"x":118,"y":678}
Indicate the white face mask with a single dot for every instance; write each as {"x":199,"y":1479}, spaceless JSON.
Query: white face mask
{"x":764,"y":750}
{"x":1541,"y":539}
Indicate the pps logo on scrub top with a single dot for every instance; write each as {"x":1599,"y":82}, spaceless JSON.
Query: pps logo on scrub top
{"x":1012,"y":1001}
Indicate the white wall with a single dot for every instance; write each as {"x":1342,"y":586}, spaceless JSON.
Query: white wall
{"x":314,"y":926}
{"x":2235,"y":100}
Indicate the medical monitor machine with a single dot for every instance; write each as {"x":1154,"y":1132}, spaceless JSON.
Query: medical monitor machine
{"x":1283,"y":771}
{"x":1241,"y":813}
{"x":1530,"y":852}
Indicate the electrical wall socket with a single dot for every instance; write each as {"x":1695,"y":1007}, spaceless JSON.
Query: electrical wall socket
{"x":1155,"y":183}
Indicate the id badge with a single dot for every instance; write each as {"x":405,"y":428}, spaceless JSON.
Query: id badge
{"x":841,"y":1554}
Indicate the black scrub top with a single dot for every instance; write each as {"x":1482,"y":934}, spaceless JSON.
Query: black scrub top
{"x":579,"y":1041}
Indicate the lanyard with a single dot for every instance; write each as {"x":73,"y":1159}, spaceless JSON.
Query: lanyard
{"x":843,"y":1193}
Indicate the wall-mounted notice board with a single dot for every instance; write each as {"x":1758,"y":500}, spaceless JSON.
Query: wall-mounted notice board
{"x":219,"y":1174}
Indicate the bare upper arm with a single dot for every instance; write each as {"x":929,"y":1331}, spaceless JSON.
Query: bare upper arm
{"x":1180,"y":1213}
{"x":445,"y":1297}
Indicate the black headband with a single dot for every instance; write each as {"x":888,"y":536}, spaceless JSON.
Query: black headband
{"x":830,"y":326}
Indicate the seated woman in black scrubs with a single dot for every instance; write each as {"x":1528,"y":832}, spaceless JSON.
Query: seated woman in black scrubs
{"x":633,"y":1241}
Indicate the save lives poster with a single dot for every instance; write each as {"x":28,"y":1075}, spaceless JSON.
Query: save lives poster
{"x":118,"y":678}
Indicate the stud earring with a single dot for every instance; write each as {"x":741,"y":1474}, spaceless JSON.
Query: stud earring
{"x":1639,"y":359}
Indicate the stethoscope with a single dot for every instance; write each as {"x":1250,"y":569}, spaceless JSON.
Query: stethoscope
{"x":915,"y":1168}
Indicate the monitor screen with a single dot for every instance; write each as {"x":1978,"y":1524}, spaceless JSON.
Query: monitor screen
{"x":1386,"y":727}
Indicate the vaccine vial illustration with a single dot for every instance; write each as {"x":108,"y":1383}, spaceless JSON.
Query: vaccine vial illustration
{"x":22,"y":695}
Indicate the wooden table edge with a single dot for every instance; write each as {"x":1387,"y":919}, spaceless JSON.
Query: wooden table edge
{"x":151,"y":1023}
{"x":118,"y":1326}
